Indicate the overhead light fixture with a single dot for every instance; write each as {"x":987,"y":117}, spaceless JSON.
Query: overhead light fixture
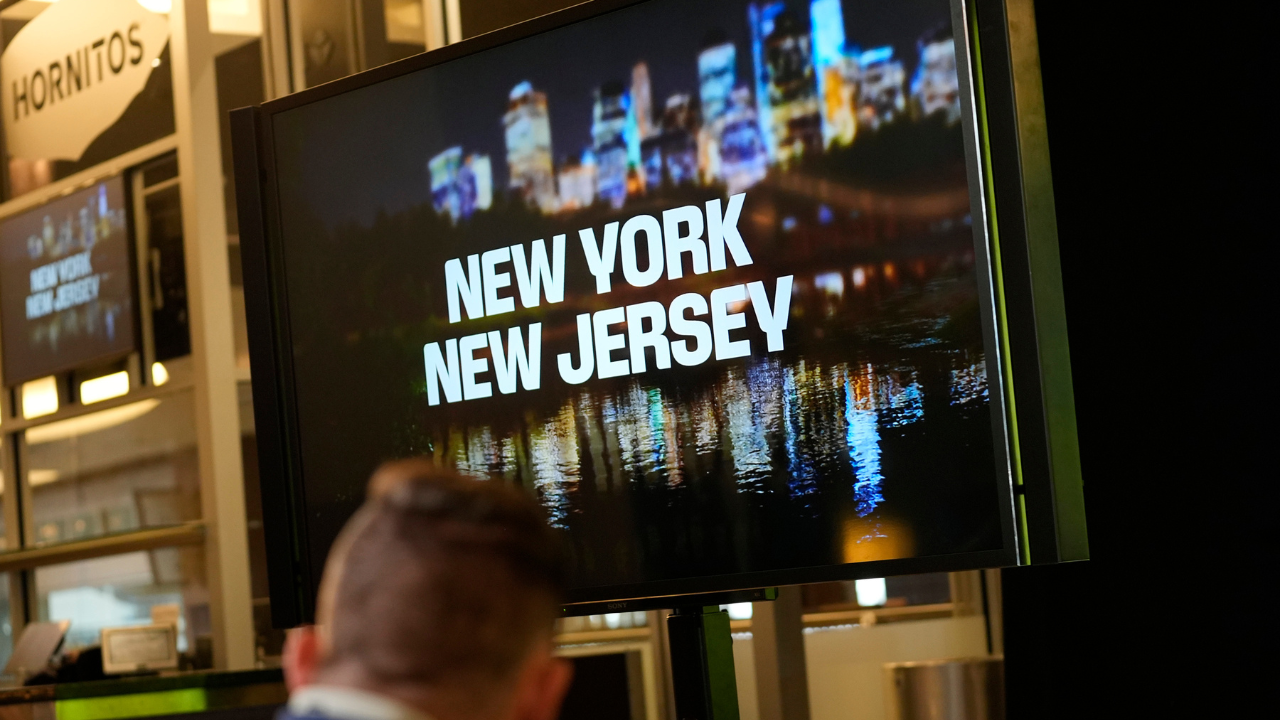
{"x":40,"y":397}
{"x":159,"y":374}
{"x":104,"y":388}
{"x":157,"y":6}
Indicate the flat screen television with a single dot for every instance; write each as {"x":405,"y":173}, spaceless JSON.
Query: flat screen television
{"x":718,"y":282}
{"x":66,"y":285}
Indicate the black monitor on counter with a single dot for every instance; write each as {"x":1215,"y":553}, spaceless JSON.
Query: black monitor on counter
{"x":720,"y":283}
{"x":66,"y":285}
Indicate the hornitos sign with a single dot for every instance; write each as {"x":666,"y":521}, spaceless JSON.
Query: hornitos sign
{"x":70,"y":73}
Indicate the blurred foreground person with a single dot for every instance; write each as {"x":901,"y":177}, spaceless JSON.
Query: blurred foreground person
{"x":436,"y":603}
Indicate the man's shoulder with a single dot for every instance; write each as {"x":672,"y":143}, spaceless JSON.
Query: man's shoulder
{"x":284,"y":713}
{"x":321,"y":702}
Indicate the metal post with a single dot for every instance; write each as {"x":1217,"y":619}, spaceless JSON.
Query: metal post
{"x":777,"y":639}
{"x":703,"y":679}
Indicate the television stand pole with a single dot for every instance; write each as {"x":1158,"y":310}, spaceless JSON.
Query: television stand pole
{"x":702,"y":673}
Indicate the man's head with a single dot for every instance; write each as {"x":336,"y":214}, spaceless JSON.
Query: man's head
{"x":440,"y":592}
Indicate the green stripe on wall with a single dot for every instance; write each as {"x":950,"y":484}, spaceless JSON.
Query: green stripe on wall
{"x":131,"y":706}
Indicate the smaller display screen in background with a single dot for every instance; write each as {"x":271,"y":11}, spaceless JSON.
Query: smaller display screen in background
{"x":65,"y":294}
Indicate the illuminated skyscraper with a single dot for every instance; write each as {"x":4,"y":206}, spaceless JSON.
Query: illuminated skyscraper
{"x":784,"y":60}
{"x":651,"y":155}
{"x":839,"y":102}
{"x":761,"y":18}
{"x":673,"y":150}
{"x":460,"y":186}
{"x":475,"y":184}
{"x":880,"y":100}
{"x":642,"y":100}
{"x":578,"y":182}
{"x":444,"y":182}
{"x":793,"y":89}
{"x":936,"y":87}
{"x":744,"y":159}
{"x":679,"y":114}
{"x":610,"y":116}
{"x":716,"y":78}
{"x":528,"y":134}
{"x":827,"y":18}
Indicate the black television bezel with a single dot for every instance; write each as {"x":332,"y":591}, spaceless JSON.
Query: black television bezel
{"x":135,"y":318}
{"x":991,"y":140}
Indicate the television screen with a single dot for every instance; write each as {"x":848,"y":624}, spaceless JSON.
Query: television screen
{"x":709,"y":279}
{"x":65,"y":283}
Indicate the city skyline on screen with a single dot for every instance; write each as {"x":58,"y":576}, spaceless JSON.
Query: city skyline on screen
{"x":585,"y":109}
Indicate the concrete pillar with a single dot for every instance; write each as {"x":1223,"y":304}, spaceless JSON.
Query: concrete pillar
{"x":195,"y":101}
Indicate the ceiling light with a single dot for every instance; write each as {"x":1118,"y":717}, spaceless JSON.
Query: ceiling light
{"x":104,"y":388}
{"x":40,"y":397}
{"x":159,"y":374}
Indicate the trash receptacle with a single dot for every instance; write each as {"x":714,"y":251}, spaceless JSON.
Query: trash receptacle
{"x":957,"y":689}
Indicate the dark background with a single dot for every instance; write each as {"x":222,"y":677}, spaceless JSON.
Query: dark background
{"x":1164,"y":278}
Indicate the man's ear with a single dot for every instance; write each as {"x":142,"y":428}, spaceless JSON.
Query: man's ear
{"x":542,"y":688}
{"x":301,"y":656}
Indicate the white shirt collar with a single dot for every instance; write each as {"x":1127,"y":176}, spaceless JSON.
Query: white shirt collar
{"x":349,"y":704}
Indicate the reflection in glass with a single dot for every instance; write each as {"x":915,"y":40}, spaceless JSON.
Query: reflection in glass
{"x":897,"y":591}
{"x":608,"y":621}
{"x":121,"y":589}
{"x":4,"y":542}
{"x":6,"y":628}
{"x":117,"y":470}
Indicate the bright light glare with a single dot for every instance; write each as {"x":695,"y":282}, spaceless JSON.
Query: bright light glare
{"x":871,"y":592}
{"x":104,"y":388}
{"x":86,"y":424}
{"x":159,"y":374}
{"x":42,"y":476}
{"x":613,"y":621}
{"x":740,"y":611}
{"x":157,"y":6}
{"x":39,"y":397}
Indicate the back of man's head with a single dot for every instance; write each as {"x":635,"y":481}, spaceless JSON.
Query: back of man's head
{"x":438,"y":592}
